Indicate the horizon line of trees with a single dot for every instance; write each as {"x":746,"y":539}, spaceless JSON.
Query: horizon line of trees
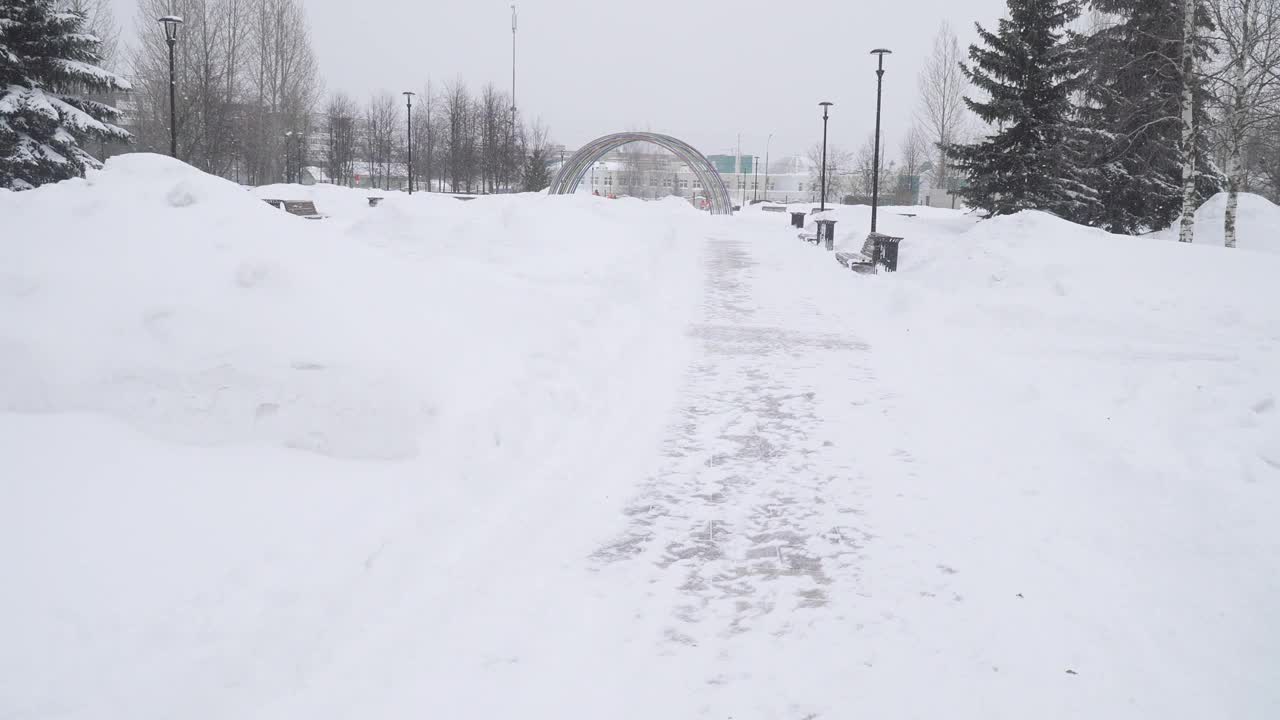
{"x":251,"y":105}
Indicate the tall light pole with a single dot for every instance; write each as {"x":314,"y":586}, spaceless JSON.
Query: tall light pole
{"x":755,"y":180}
{"x":171,"y":23}
{"x":512,"y":140}
{"x":823,"y":199}
{"x":288,"y":156}
{"x":875,"y":173}
{"x":408,"y":105}
{"x":766,"y":166}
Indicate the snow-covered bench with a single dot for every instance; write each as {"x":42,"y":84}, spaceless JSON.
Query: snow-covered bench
{"x":879,"y":249}
{"x":301,"y":208}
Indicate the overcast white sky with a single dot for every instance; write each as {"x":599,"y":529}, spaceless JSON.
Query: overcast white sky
{"x":702,"y":70}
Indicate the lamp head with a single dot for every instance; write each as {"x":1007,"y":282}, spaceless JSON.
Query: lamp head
{"x":171,"y":23}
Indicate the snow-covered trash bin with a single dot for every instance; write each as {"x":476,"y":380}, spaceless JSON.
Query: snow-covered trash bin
{"x":797,"y":219}
{"x":826,"y":231}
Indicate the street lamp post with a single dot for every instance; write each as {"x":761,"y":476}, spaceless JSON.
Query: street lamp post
{"x":875,"y":174}
{"x":823,"y":199}
{"x":766,"y":166}
{"x":755,"y":180}
{"x":408,"y":104}
{"x":288,"y":156}
{"x":171,"y":23}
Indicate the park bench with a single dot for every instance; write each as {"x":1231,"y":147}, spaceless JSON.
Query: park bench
{"x":773,"y":208}
{"x":301,"y":208}
{"x":373,"y":201}
{"x":879,"y":249}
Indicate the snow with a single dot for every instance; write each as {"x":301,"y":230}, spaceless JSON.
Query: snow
{"x":82,"y":70}
{"x":1257,"y":223}
{"x":547,"y":457}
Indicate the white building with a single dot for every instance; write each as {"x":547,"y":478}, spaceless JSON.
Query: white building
{"x":655,"y":175}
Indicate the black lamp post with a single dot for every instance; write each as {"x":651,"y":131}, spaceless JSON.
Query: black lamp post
{"x":875,"y":173}
{"x":755,"y":180}
{"x":823,"y":199}
{"x":288,"y":156}
{"x":171,"y":23}
{"x":408,"y":104}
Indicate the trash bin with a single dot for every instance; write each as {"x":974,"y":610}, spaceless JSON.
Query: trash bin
{"x":827,"y":233}
{"x":883,"y":250}
{"x":797,"y":220}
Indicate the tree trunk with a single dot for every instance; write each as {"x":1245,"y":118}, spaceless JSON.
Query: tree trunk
{"x":1237,"y":128}
{"x":1186,"y":233}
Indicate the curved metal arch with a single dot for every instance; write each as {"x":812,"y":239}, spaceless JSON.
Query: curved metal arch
{"x":575,"y":168}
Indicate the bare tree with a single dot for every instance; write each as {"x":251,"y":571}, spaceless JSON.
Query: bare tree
{"x":637,"y":165}
{"x":913,"y":155}
{"x":839,"y":166}
{"x":459,"y":116}
{"x":1247,"y":84}
{"x":943,"y":114}
{"x":341,"y":124}
{"x":283,"y":78}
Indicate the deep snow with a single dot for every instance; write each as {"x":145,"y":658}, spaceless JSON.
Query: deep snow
{"x":570,"y":457}
{"x":1257,"y":223}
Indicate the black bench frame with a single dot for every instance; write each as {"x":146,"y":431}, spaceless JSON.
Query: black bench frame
{"x":879,"y":250}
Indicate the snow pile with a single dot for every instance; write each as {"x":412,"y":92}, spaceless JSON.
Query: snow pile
{"x":1164,"y":344}
{"x":188,"y":375}
{"x":1257,"y":223}
{"x":545,"y":456}
{"x":180,"y":303}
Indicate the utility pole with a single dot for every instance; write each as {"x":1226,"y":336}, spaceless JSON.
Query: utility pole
{"x":766,"y":166}
{"x":755,"y":180}
{"x":511,"y":149}
{"x":737,"y":163}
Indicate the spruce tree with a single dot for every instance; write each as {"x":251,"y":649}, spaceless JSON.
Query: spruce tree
{"x":48,"y":63}
{"x":1133,"y":100}
{"x":536,"y":177}
{"x":1028,"y":70}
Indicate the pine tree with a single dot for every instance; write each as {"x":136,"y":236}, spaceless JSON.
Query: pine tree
{"x":536,"y":177}
{"x":1028,"y":70}
{"x":1133,"y":99}
{"x":48,"y":62}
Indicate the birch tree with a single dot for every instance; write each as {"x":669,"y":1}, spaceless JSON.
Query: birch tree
{"x":1186,"y":232}
{"x":1247,"y":84}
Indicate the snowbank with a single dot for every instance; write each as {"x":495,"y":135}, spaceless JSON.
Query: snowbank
{"x":1257,"y":223}
{"x":189,"y":376}
{"x":183,"y":305}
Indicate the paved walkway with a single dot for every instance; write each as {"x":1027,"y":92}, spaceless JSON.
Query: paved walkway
{"x":751,"y":540}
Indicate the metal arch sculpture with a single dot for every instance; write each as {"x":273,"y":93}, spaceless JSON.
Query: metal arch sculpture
{"x":576,"y":167}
